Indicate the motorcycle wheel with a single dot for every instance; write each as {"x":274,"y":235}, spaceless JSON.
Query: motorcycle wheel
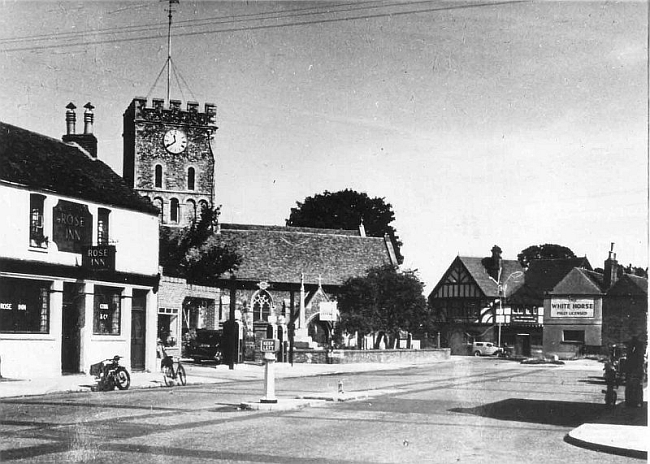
{"x":122,"y":379}
{"x":168,"y":376}
{"x":181,"y":375}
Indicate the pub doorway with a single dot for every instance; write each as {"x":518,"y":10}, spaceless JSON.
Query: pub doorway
{"x":71,"y":330}
{"x":138,"y":329}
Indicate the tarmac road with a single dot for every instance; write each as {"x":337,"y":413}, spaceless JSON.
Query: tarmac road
{"x":474,"y":410}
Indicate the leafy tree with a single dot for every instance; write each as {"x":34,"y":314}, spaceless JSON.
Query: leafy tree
{"x":629,"y":269}
{"x":385,"y":301}
{"x":195,"y":252}
{"x":346,"y":209}
{"x":546,"y":251}
{"x":634,"y":270}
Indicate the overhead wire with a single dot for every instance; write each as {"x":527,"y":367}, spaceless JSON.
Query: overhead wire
{"x":252,"y":27}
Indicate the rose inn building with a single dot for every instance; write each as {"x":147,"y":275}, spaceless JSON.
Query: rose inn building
{"x":78,"y":257}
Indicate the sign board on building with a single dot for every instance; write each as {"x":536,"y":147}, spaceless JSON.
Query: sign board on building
{"x":98,"y":258}
{"x":572,"y":307}
{"x":72,"y":226}
{"x":328,"y":311}
{"x":270,"y":345}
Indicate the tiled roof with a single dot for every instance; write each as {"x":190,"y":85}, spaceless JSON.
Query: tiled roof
{"x":579,"y":282}
{"x":45,"y":164}
{"x":543,"y":275}
{"x":487,"y":284}
{"x":629,"y":285}
{"x":281,"y":254}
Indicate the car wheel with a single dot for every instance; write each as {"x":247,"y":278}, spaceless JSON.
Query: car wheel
{"x":477,"y":353}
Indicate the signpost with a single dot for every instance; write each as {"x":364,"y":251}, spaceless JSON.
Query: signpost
{"x":269,"y":346}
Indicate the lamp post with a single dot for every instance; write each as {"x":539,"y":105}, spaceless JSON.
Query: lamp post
{"x":502,"y":292}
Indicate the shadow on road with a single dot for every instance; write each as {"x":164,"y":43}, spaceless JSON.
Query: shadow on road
{"x":560,"y":413}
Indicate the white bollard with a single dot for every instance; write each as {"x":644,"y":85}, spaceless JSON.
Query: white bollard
{"x":269,"y":379}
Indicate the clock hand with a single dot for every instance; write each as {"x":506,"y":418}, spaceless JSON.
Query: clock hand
{"x":171,"y":143}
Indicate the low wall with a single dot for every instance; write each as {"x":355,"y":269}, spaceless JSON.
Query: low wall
{"x":371,"y":356}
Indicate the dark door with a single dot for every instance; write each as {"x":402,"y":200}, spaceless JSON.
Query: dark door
{"x":71,"y":338}
{"x":138,"y":332}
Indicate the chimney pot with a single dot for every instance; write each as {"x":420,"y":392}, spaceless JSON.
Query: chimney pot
{"x":89,"y":118}
{"x":70,"y":119}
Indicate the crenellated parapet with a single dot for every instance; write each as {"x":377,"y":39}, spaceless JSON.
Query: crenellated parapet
{"x":172,"y":114}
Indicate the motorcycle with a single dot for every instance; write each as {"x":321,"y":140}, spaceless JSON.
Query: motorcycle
{"x":109,"y":374}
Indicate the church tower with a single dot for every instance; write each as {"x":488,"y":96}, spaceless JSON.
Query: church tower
{"x":168,"y":156}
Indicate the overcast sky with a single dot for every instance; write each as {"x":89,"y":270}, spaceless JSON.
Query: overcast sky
{"x":482,"y":123}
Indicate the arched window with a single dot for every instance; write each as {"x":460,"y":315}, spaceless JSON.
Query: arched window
{"x":191,"y":210}
{"x":158,"y":203}
{"x":173,"y":210}
{"x":202,"y":205}
{"x":158,"y":174}
{"x":191,"y":173}
{"x":261,"y":303}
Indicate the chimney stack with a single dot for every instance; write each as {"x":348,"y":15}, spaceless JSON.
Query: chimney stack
{"x":495,"y":267}
{"x":87,"y":140}
{"x":611,"y":269}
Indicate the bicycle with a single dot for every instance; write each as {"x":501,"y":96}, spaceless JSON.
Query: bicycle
{"x":172,"y":368}
{"x":173,"y":371}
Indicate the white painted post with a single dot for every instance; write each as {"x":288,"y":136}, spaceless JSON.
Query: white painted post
{"x":269,"y":379}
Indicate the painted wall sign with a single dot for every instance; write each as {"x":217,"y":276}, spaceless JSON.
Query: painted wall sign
{"x":99,"y":258}
{"x":328,"y":311}
{"x":570,"y":307}
{"x":72,"y":226}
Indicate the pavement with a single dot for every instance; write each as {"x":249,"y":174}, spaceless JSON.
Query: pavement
{"x":624,"y":431}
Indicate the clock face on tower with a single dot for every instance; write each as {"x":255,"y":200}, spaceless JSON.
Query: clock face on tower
{"x":175,"y":141}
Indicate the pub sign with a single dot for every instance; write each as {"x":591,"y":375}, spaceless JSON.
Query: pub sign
{"x":99,"y":257}
{"x":72,"y":226}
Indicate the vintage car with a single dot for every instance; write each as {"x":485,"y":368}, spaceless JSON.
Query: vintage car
{"x":206,"y":346}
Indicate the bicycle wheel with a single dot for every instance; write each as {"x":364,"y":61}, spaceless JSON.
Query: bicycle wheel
{"x":168,"y":375}
{"x":180,"y":372}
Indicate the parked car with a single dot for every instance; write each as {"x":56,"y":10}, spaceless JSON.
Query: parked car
{"x":206,"y":346}
{"x":485,"y":349}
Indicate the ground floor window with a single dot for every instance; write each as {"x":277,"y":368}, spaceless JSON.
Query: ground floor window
{"x":168,"y":326}
{"x":107,"y":311}
{"x":24,"y":306}
{"x":573,"y":336}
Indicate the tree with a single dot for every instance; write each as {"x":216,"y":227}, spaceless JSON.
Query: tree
{"x":546,"y":251}
{"x":195,"y":252}
{"x":631,"y":270}
{"x":384,"y":301}
{"x":347,"y":209}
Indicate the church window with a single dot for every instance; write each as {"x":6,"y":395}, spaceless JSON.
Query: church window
{"x":191,"y":210}
{"x":173,"y":210}
{"x":191,"y":173}
{"x":261,"y":305}
{"x":158,"y":176}
{"x":158,"y":203}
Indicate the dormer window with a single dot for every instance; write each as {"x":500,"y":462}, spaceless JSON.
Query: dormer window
{"x":37,"y":237}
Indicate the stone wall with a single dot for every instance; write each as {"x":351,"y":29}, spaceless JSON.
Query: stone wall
{"x":371,"y":356}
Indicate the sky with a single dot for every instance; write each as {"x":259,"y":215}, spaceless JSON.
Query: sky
{"x":509,"y":123}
